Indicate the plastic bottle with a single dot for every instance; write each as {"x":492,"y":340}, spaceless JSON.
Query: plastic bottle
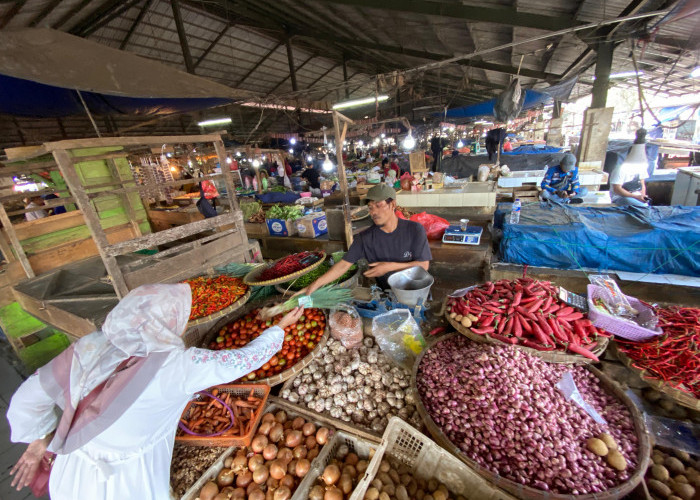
{"x":515,"y":212}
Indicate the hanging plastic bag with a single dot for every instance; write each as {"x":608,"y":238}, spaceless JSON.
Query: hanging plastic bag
{"x":398,"y":336}
{"x":434,"y":226}
{"x":346,"y":326}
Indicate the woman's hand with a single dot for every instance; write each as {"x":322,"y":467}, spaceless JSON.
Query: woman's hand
{"x":291,"y":317}
{"x":28,"y":463}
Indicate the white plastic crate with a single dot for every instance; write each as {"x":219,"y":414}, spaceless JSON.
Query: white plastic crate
{"x":427,"y":460}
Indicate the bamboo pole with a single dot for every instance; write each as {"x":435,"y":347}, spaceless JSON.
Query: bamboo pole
{"x":342,"y":177}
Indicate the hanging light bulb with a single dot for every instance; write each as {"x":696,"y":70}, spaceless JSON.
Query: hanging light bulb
{"x":376,"y":141}
{"x":327,"y":164}
{"x":291,"y":151}
{"x":383,"y":136}
{"x":360,"y":143}
{"x":292,"y":141}
{"x":460,"y":144}
{"x":409,"y":142}
{"x":256,"y":163}
{"x":238,"y":153}
{"x":229,"y":160}
{"x":309,"y":158}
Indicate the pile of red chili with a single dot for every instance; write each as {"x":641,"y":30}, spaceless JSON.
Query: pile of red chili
{"x":212,"y":294}
{"x":674,"y":356}
{"x":290,"y":265}
{"x":528,"y":313}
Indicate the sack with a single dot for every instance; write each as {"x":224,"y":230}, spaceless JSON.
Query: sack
{"x":40,"y":482}
{"x":346,"y":326}
{"x":434,"y":226}
{"x":398,"y":336}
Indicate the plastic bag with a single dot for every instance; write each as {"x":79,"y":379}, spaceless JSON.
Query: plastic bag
{"x":483,"y":173}
{"x":346,"y":326}
{"x":434,"y":226}
{"x":614,"y":299}
{"x":398,"y":336}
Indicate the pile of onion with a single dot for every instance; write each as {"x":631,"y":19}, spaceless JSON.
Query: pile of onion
{"x":501,"y":408}
{"x":271,"y":468}
{"x":340,"y":476}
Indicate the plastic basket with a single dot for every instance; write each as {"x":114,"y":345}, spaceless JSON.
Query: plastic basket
{"x":620,"y":327}
{"x":259,"y":391}
{"x":213,"y":471}
{"x":427,"y":460}
{"x":363,"y":448}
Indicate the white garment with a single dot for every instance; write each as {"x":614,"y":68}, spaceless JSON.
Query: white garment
{"x":131,"y":458}
{"x":37,"y":214}
{"x":625,"y":173}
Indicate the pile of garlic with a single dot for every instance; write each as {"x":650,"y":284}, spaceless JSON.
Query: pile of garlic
{"x":358,"y":385}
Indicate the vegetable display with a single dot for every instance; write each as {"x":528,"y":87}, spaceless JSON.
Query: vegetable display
{"x":673,"y":474}
{"x":355,"y":385}
{"x":528,"y":313}
{"x":290,"y":265}
{"x":340,"y":476}
{"x":300,"y":339}
{"x":310,"y":277}
{"x":396,"y":481}
{"x":212,"y":294}
{"x":325,"y":297}
{"x":501,"y":408}
{"x":274,"y":464}
{"x":672,"y":357}
{"x":285,"y":212}
{"x":188,"y":464}
{"x":210,"y":416}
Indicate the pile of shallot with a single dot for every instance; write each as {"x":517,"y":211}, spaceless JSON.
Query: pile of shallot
{"x":501,"y":408}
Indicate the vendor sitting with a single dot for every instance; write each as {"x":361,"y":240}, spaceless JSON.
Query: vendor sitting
{"x":561,"y":182}
{"x":389,"y":245}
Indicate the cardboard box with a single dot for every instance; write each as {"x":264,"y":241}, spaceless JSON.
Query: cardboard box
{"x":312,"y":226}
{"x":279,"y":227}
{"x":327,"y":185}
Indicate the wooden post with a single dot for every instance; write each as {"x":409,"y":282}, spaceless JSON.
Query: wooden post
{"x":16,"y":245}
{"x":92,"y":221}
{"x":5,"y":248}
{"x":124,"y":197}
{"x":226,"y":172}
{"x":342,"y":177}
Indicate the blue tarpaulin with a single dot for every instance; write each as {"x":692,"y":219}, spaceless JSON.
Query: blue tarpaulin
{"x":533,"y":98}
{"x":657,"y":240}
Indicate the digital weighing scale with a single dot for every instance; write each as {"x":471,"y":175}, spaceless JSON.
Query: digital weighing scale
{"x":470,"y":236}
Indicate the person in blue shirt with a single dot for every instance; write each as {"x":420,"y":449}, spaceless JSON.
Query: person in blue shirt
{"x":561,"y":182}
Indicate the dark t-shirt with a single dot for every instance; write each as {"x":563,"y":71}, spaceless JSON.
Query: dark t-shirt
{"x":408,"y":242}
{"x":312,"y":175}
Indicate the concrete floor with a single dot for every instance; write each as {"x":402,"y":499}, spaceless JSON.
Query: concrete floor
{"x":10,"y":378}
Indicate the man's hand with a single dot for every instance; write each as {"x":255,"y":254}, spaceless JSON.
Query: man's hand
{"x":291,"y":317}
{"x":562,"y":194}
{"x":28,"y":463}
{"x":640,"y":197}
{"x":377,"y":269}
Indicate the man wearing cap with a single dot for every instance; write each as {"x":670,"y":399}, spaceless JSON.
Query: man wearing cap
{"x":389,"y":245}
{"x":561,"y":182}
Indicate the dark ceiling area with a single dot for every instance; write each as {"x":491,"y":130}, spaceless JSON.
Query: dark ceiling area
{"x":326,"y":51}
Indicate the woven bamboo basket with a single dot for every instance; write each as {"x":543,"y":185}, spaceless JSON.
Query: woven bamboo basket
{"x":529,"y":493}
{"x":280,"y":377}
{"x":680,"y":397}
{"x":351,"y":282}
{"x":549,"y":356}
{"x":251,"y":278}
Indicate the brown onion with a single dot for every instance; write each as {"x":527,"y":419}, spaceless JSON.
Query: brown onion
{"x":256,"y":495}
{"x":300,"y":452}
{"x":258,"y":443}
{"x":316,"y":493}
{"x":333,"y":494}
{"x":268,"y":417}
{"x":276,"y":433}
{"x":311,"y":442}
{"x":282,"y":493}
{"x":272,"y":483}
{"x":287,"y":481}
{"x":265,"y":427}
{"x":221,"y":496}
{"x":270,"y":452}
{"x":285,"y":455}
{"x":352,"y":459}
{"x":239,"y":463}
{"x":255,"y":462}
{"x":302,"y":467}
{"x":331,"y":474}
{"x":244,"y":479}
{"x":225,"y":478}
{"x":238,"y":494}
{"x":298,"y":423}
{"x":208,"y":491}
{"x":322,"y":435}
{"x":251,"y":488}
{"x":281,"y":416}
{"x":312,"y":454}
{"x":291,"y":467}
{"x":345,"y":483}
{"x":260,"y":475}
{"x":293,"y":439}
{"x":227,"y":462}
{"x":308,"y":429}
{"x":278,"y":469}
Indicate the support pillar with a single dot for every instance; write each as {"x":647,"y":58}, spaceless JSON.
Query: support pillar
{"x":177,"y":16}
{"x":603,"y":66}
{"x":345,"y":76}
{"x":290,"y":58}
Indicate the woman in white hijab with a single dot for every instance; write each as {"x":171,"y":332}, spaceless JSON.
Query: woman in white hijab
{"x":121,"y":445}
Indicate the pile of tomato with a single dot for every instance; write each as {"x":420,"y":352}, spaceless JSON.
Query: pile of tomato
{"x":212,"y":294}
{"x":299,"y":339}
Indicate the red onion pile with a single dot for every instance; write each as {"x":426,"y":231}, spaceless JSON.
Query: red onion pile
{"x":501,"y":408}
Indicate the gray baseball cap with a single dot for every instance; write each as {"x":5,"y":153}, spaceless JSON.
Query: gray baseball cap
{"x":380,"y":192}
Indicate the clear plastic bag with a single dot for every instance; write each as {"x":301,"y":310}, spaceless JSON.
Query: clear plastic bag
{"x":398,"y":336}
{"x":615,"y":300}
{"x":346,"y":326}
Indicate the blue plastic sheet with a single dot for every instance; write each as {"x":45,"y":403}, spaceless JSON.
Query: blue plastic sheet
{"x":277,"y":197}
{"x":657,"y":240}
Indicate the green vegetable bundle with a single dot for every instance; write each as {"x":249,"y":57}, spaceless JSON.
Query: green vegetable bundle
{"x":307,"y":279}
{"x":250,"y":208}
{"x":323,"y":298}
{"x":285,"y":212}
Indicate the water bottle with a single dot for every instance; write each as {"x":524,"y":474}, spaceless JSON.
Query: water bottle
{"x":515,"y":212}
